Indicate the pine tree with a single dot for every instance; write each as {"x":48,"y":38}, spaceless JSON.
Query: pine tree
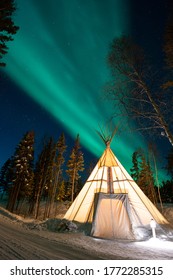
{"x":50,"y":180}
{"x":169,"y":165}
{"x":42,"y":176}
{"x":7,"y":26}
{"x":58,"y":161}
{"x":166,"y":191}
{"x":75,"y":165}
{"x":22,"y":165}
{"x":146,"y":179}
{"x":143,"y":175}
{"x":6,"y":176}
{"x":135,"y":170}
{"x":61,"y":191}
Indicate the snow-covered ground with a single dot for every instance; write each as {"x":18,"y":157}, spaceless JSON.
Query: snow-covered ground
{"x":107,"y":249}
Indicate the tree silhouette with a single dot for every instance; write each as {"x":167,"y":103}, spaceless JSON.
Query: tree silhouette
{"x":75,"y":165}
{"x":137,"y":90}
{"x":22,"y":165}
{"x":7,"y":26}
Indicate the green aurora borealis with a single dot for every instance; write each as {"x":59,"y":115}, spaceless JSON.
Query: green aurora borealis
{"x":58,"y":58}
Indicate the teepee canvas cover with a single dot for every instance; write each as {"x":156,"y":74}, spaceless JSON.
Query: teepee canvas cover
{"x":112,"y":203}
{"x":112,"y":218}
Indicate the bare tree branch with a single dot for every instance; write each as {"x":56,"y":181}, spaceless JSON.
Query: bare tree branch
{"x":135,"y":89}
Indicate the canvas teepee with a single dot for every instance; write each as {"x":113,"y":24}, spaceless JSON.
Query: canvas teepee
{"x":112,"y":204}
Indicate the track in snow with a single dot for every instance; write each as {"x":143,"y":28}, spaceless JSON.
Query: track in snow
{"x":17,"y":243}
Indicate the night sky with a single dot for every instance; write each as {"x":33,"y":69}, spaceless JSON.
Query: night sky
{"x":56,"y":70}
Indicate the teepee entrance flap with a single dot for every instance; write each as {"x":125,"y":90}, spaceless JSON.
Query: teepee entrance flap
{"x":112,"y":217}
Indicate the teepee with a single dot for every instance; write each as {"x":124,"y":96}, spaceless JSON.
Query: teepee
{"x":112,"y":204}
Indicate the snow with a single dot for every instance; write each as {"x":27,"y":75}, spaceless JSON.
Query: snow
{"x":108,"y":249}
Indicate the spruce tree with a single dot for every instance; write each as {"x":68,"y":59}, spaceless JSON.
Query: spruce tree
{"x":146,"y":179}
{"x":166,"y":191}
{"x":42,"y":176}
{"x":48,"y":191}
{"x":135,"y":170}
{"x":75,"y":165}
{"x":169,"y":165}
{"x":7,"y":26}
{"x":22,"y":165}
{"x":61,"y":191}
{"x":58,"y":162}
{"x":6,"y":176}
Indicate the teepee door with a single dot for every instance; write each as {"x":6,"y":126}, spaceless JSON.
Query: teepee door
{"x":111,"y":217}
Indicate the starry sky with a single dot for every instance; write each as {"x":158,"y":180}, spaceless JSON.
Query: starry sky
{"x":56,"y":70}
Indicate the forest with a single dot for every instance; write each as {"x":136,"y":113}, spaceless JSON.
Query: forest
{"x":27,"y":181}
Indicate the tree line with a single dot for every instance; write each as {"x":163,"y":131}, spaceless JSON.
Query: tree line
{"x":48,"y":178}
{"x":55,"y":176}
{"x":144,"y":172}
